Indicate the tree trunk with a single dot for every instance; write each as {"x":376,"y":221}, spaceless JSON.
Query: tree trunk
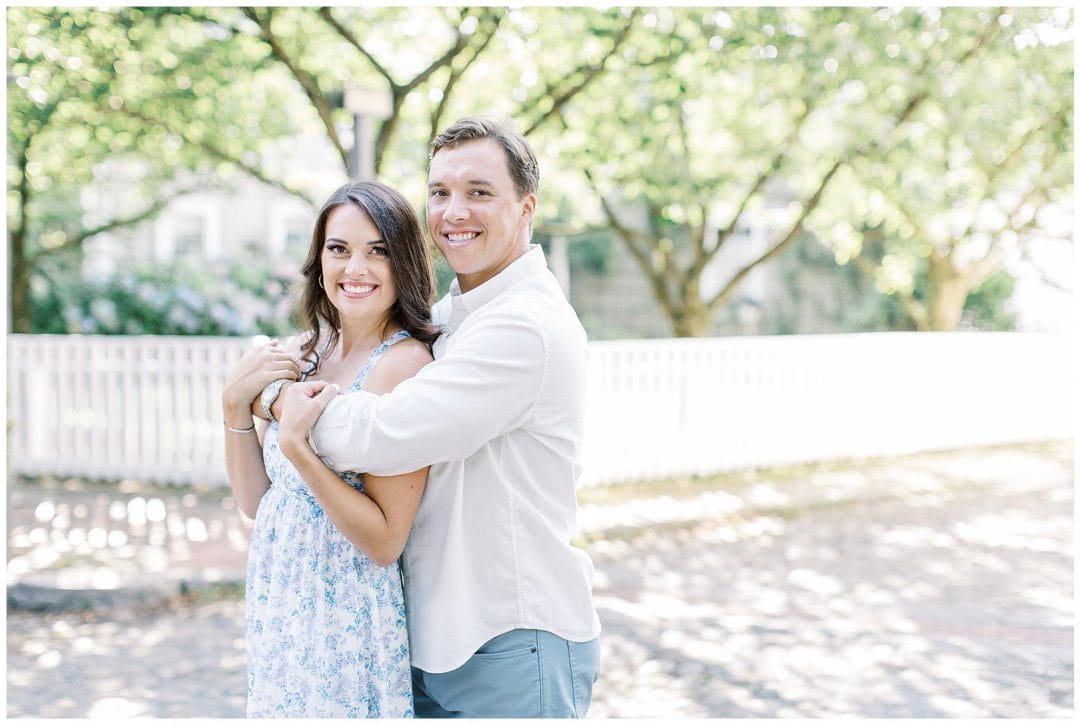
{"x":690,"y":314}
{"x":20,"y":282}
{"x":20,"y":320}
{"x":691,"y":320}
{"x":946,"y":293}
{"x":691,"y":326}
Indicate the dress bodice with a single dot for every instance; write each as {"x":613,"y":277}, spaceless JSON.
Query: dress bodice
{"x":281,"y":470}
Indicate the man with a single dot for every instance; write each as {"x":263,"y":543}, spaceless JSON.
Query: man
{"x":501,"y":617}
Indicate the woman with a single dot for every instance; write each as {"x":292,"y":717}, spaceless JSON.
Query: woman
{"x":326,"y":633}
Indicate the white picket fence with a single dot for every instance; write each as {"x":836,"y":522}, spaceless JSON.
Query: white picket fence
{"x":148,"y":408}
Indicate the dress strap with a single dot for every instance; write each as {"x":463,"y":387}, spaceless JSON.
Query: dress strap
{"x":377,"y":353}
{"x":395,"y":338}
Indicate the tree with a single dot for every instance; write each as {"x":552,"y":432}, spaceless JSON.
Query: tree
{"x":47,"y":98}
{"x":326,"y":50}
{"x":94,"y":97}
{"x":322,"y":53}
{"x":726,"y":107}
{"x":685,"y":126}
{"x":177,"y":98}
{"x":967,"y":176}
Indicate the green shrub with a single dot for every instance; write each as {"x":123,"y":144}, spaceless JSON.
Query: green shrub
{"x":217,"y":299}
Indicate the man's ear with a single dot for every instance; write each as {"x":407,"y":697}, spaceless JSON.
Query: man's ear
{"x":528,"y":208}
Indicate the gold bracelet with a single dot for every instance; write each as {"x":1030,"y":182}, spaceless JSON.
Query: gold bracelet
{"x":239,"y":430}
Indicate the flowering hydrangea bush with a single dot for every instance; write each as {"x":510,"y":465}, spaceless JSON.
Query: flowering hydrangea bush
{"x":224,"y":299}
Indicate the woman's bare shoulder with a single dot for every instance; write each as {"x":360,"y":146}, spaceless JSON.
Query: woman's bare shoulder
{"x":398,"y":363}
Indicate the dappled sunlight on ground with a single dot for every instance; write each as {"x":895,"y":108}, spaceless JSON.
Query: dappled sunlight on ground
{"x":93,"y":536}
{"x":931,"y":586}
{"x":131,"y":656}
{"x":877,"y":610}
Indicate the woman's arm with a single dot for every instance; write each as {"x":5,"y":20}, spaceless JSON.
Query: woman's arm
{"x":377,"y":521}
{"x":244,"y":466}
{"x":243,"y":451}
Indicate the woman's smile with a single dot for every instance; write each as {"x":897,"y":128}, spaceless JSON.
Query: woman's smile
{"x":357,"y":290}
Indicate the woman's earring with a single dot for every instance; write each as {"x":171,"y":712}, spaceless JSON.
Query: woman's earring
{"x":320,"y":283}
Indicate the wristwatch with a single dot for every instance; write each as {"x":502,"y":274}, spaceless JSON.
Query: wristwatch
{"x":269,"y":395}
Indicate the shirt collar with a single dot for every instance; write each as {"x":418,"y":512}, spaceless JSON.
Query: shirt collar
{"x":525,"y":266}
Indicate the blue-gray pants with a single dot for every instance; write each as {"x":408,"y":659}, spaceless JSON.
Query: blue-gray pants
{"x":523,"y":673}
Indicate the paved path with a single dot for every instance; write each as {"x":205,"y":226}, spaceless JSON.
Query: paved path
{"x":938,"y":585}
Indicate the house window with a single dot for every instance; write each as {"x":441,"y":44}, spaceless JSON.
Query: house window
{"x":189,"y":237}
{"x":297,"y":234}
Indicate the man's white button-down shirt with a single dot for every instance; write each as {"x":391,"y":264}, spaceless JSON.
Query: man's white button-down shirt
{"x":499,"y":414}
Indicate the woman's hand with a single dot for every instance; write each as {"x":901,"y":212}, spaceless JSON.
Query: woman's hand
{"x":301,"y":406}
{"x":254,"y":371}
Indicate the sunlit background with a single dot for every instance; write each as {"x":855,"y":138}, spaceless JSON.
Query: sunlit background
{"x":824,"y":257}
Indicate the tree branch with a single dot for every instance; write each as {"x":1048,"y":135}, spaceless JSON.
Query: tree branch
{"x":328,"y":16}
{"x":633,"y":238}
{"x":767,"y":173}
{"x":1044,"y":276}
{"x":989,"y":33}
{"x":76,"y":239}
{"x":458,"y":72}
{"x":792,"y":234}
{"x":995,"y":171}
{"x":642,"y":254}
{"x":216,"y":152}
{"x":307,"y":82}
{"x":919,"y":96}
{"x":17,"y":232}
{"x":193,"y":14}
{"x":669,"y":267}
{"x":400,"y":93}
{"x":900,"y":204}
{"x":461,"y":41}
{"x":912,"y":307}
{"x":589,"y":72}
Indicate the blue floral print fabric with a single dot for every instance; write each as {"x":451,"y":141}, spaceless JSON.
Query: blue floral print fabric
{"x":326,"y":634}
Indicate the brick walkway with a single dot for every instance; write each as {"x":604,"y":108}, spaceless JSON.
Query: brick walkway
{"x":938,"y":585}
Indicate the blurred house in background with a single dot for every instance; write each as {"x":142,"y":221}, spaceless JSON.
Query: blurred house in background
{"x":801,"y":291}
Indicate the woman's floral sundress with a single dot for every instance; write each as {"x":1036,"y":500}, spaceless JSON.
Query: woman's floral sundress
{"x":326,"y":633}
